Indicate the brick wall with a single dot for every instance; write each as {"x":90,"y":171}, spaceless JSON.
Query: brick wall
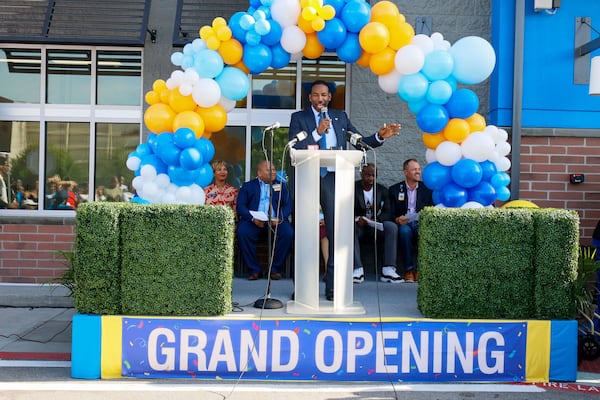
{"x":30,"y":253}
{"x":546,"y":164}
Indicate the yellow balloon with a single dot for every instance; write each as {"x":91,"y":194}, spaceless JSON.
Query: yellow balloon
{"x":189,"y":119}
{"x":159,"y":85}
{"x":206,"y":32}
{"x":476,"y":122}
{"x":206,"y":135}
{"x":401,"y":35}
{"x":433,"y":140}
{"x":383,"y":62}
{"x":327,"y":12}
{"x":165,"y":96}
{"x":223,"y":33}
{"x":215,"y":118}
{"x":309,"y":13}
{"x":305,"y":25}
{"x":213,"y":42}
{"x":313,"y":48}
{"x":385,"y":12}
{"x":315,"y":3}
{"x":457,"y":130}
{"x":159,"y":118}
{"x":180,"y":103}
{"x":363,"y":60}
{"x":219,"y":22}
{"x":519,"y":204}
{"x":374,"y":37}
{"x":152,"y":97}
{"x":304,"y":3}
{"x":318,"y":24}
{"x":231,"y":51}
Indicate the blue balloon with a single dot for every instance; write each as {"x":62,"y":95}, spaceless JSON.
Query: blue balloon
{"x":190,"y":158}
{"x":413,"y":87}
{"x":500,"y":179}
{"x":432,"y":118}
{"x":169,"y":153}
{"x":483,"y":193}
{"x":281,"y":58}
{"x":237,"y":31}
{"x":257,"y":58}
{"x":163,"y":139}
{"x":207,"y":149}
{"x":350,"y":51}
{"x":462,"y":104}
{"x":438,"y":65}
{"x":453,"y":195}
{"x":143,"y":149}
{"x":416,"y":106}
{"x":262,"y":27}
{"x":154,"y":161}
{"x":151,"y":140}
{"x":184,"y":137}
{"x":255,"y":3}
{"x":337,"y":4}
{"x":439,"y":92}
{"x":467,"y":173}
{"x":502,"y":193}
{"x":436,"y":197}
{"x":205,"y":175}
{"x":181,"y":176}
{"x":177,"y":58}
{"x":234,"y":83}
{"x":333,"y":34}
{"x":436,"y":175}
{"x":208,"y":63}
{"x":489,"y":170}
{"x":355,"y":15}
{"x":274,"y":35}
{"x":252,"y":37}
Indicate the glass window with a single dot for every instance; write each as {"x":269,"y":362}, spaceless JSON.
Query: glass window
{"x":275,"y":89}
{"x":261,"y":150}
{"x":230,"y":146}
{"x":112,"y":178}
{"x":67,"y":163}
{"x":119,"y":75}
{"x":330,"y":70}
{"x":19,"y":140}
{"x":69,"y":76}
{"x":20,"y":75}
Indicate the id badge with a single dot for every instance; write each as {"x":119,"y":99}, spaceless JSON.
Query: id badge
{"x":401,"y":196}
{"x":277,"y":187}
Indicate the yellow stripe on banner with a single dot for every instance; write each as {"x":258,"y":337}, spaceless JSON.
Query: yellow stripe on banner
{"x":112,"y":352}
{"x":537,"y":366}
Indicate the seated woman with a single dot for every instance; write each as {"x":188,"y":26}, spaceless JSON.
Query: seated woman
{"x":220,"y":192}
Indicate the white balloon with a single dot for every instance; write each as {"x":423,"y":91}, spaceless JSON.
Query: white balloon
{"x":296,"y":56}
{"x":502,"y":135}
{"x":151,"y":191}
{"x":177,"y":77}
{"x":409,"y":59}
{"x":168,"y":198}
{"x":191,"y":77}
{"x":437,"y":37}
{"x":162,"y":180}
{"x":293,"y":39}
{"x":477,"y":146}
{"x":423,"y":42}
{"x":137,"y":183}
{"x":185,"y":89}
{"x":502,"y":164}
{"x":227,"y":104}
{"x":448,"y":153}
{"x":206,"y":93}
{"x":389,"y":82}
{"x":148,"y":172}
{"x":198,"y":196}
{"x":133,"y":163}
{"x":286,"y":12}
{"x":183,"y":194}
{"x":430,"y":156}
{"x":472,"y":204}
{"x":503,"y":148}
{"x":440,"y":205}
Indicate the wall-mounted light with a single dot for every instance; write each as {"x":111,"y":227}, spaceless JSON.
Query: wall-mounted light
{"x":583,"y":71}
{"x":545,"y":5}
{"x":152,"y":33}
{"x":595,"y":77}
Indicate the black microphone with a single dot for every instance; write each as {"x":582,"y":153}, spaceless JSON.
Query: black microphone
{"x":324,"y":114}
{"x":271,"y":127}
{"x":299,"y":137}
{"x":355,"y":140}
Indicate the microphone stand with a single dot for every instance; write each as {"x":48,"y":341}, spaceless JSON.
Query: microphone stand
{"x":267,"y":302}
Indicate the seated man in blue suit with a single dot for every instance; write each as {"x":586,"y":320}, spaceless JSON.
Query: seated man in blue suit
{"x":329,"y":129}
{"x":253,"y":197}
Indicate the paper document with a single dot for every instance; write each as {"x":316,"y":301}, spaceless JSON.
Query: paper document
{"x":373,"y":224}
{"x":412,"y":217}
{"x":259,"y":215}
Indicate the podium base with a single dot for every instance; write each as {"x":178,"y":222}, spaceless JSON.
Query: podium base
{"x":325,"y":307}
{"x":268,"y":304}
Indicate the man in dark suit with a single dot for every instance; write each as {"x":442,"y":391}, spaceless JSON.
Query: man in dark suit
{"x":254,"y":196}
{"x":372,"y":204}
{"x":407,"y":198}
{"x":328,"y":130}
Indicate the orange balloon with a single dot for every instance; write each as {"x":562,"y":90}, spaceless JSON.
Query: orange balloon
{"x":385,"y":12}
{"x":433,"y":140}
{"x":207,"y":135}
{"x":152,"y":97}
{"x":476,"y":122}
{"x":383,"y":62}
{"x":179,"y":102}
{"x":240,"y":64}
{"x":159,"y":118}
{"x":305,"y":25}
{"x":231,"y":51}
{"x":215,"y":118}
{"x":189,"y":119}
{"x":457,"y":130}
{"x":363,"y":61}
{"x":374,"y":37}
{"x":401,"y":35}
{"x":159,"y":85}
{"x":313,"y":48}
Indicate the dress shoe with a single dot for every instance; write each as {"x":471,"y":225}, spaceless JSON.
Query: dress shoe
{"x":409,"y":276}
{"x":275,"y":276}
{"x":254,"y":276}
{"x":329,"y":296}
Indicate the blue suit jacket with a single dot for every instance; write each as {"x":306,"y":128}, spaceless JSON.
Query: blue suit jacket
{"x":249,"y":199}
{"x":304,"y":120}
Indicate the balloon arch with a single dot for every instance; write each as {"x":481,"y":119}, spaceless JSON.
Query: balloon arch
{"x":466,"y":158}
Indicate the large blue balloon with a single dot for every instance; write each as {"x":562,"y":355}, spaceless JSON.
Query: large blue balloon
{"x":333,"y":34}
{"x":436,"y":175}
{"x":337,"y":4}
{"x":281,"y":58}
{"x":467,"y":173}
{"x":489,"y":170}
{"x":274,"y":35}
{"x":207,"y":149}
{"x":237,"y":31}
{"x":453,"y":195}
{"x":257,"y":58}
{"x":350,"y":51}
{"x":356,"y":15}
{"x":190,"y":158}
{"x":462,"y":104}
{"x":234,"y":83}
{"x":181,"y":176}
{"x":438,"y":65}
{"x":169,"y":153}
{"x":432,"y":118}
{"x":153,"y":160}
{"x":205,"y":175}
{"x":413,"y":87}
{"x":143,"y":149}
{"x":208,"y":63}
{"x":184,"y":137}
{"x":482,"y":193}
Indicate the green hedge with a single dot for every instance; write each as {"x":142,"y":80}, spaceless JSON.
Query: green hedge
{"x":497,"y":263}
{"x":154,"y":259}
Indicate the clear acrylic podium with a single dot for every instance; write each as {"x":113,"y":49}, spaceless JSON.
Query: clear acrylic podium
{"x":306,"y":248}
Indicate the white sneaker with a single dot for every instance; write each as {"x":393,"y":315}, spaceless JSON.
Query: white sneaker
{"x":358,"y":275}
{"x":389,"y":274}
